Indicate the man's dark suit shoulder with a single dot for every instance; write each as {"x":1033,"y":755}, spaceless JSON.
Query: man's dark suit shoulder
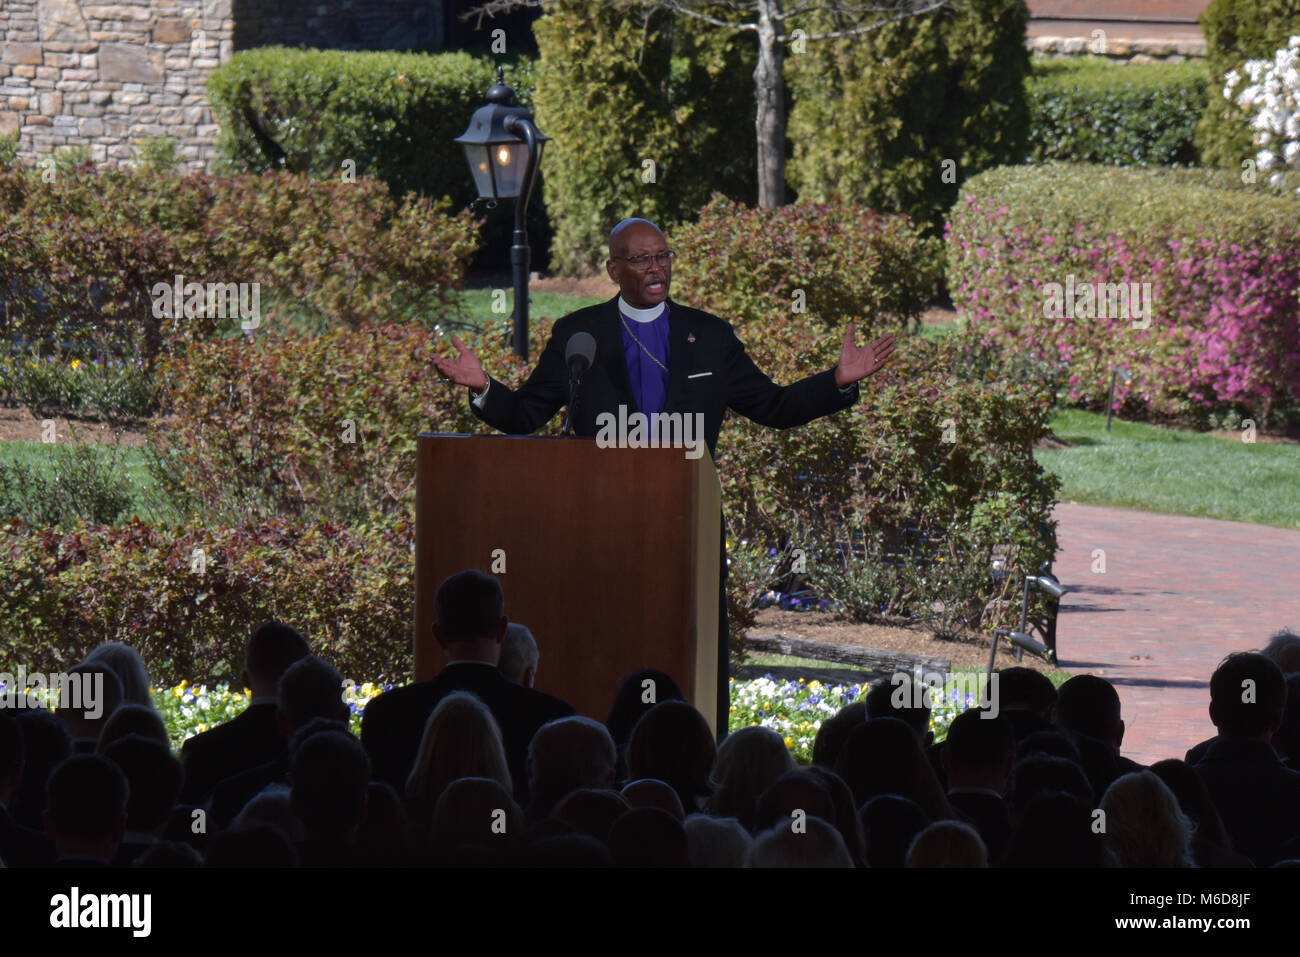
{"x":229,"y":797}
{"x":393,"y":723}
{"x":245,"y":741}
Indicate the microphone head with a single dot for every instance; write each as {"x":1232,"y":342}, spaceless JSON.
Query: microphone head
{"x":580,"y":344}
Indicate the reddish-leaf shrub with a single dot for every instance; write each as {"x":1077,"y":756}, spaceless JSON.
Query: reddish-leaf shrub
{"x":81,"y":255}
{"x":188,"y":598}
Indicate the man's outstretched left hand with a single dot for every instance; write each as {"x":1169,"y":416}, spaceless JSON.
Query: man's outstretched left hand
{"x":858,"y":362}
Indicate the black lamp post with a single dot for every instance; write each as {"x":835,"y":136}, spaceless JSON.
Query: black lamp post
{"x":504,"y":150}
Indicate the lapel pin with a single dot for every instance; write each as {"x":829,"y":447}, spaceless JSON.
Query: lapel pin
{"x":690,"y":337}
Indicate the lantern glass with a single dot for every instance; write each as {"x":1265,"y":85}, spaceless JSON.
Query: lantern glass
{"x":480,"y":168}
{"x":509,"y":161}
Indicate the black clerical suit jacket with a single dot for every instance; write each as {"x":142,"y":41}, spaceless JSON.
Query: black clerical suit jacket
{"x":708,"y":372}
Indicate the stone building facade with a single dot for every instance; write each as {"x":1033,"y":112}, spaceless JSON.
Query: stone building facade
{"x":106,"y":74}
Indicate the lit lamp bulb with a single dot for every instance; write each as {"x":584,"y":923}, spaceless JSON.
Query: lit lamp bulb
{"x":503,"y":155}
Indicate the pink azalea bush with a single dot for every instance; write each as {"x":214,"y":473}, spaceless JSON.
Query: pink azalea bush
{"x":1223,"y":264}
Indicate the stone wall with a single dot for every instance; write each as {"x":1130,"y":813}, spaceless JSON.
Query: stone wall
{"x":1141,"y":50}
{"x":108,"y":74}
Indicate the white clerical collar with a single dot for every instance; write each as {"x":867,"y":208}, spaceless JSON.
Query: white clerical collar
{"x":641,"y":315}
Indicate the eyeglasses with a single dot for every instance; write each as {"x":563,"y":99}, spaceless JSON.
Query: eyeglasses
{"x":643,"y":261}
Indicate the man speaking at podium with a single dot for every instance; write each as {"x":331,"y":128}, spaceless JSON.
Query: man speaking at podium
{"x":653,"y":355}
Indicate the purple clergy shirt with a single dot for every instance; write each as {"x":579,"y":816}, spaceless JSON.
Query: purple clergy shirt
{"x":649,"y":382}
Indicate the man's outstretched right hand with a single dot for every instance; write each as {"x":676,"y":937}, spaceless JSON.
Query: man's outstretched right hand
{"x":465,"y":369}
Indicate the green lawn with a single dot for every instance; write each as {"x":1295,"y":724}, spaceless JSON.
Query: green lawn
{"x":1174,"y":472}
{"x":541,"y":305}
{"x":40,"y":457}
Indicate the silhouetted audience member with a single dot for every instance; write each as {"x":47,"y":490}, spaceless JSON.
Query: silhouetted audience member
{"x":330,"y":773}
{"x":1283,"y":649}
{"x":647,"y":792}
{"x":469,"y":624}
{"x":791,"y":798}
{"x":835,"y":731}
{"x":947,"y":844}
{"x":85,"y":814}
{"x":169,"y":855}
{"x":1256,"y":794}
{"x":385,"y":830}
{"x":461,"y":740}
{"x":271,"y":806}
{"x":636,"y":694}
{"x":1042,"y":774}
{"x":672,"y":743}
{"x":154,"y":779}
{"x":1211,"y":846}
{"x":564,"y":756}
{"x":251,"y":737}
{"x":716,"y":841}
{"x":648,"y":837}
{"x":310,"y":689}
{"x":1028,"y":699}
{"x":1051,"y":743}
{"x":476,"y":811}
{"x":979,"y":756}
{"x":257,"y":845}
{"x":1145,"y":827}
{"x":46,"y":744}
{"x":749,"y":760}
{"x":133,"y":719}
{"x":519,"y":656}
{"x":1056,"y":830}
{"x":846,"y":816}
{"x":884,"y":756}
{"x":88,"y":699}
{"x":810,"y":843}
{"x":1088,"y":708}
{"x":19,"y":846}
{"x":592,"y":811}
{"x":889,"y":823}
{"x":130,"y":669}
{"x":1287,"y":740}
{"x":568,"y":850}
{"x":902,"y":697}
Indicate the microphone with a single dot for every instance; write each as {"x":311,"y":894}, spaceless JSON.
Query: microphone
{"x":578,"y":354}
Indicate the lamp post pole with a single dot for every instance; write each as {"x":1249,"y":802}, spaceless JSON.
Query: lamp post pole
{"x":520,"y":254}
{"x":503,"y":170}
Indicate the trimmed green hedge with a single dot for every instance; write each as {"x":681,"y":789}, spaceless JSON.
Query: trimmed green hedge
{"x":827,"y":262}
{"x":395,"y":115}
{"x":897,"y":118}
{"x":1092,"y":110}
{"x":650,"y":115}
{"x":1237,"y":31}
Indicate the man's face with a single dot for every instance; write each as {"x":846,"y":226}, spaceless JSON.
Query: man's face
{"x":645,"y":286}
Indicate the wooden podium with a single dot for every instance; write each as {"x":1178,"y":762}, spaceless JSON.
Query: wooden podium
{"x":610,"y":556}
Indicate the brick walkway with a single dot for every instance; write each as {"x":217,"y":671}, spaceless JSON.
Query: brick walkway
{"x":1177,"y":595}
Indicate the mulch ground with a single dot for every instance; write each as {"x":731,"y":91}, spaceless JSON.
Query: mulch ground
{"x":835,"y":628}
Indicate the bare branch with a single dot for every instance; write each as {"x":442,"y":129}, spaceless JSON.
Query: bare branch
{"x":876,"y":25}
{"x":493,"y":7}
{"x":677,"y":6}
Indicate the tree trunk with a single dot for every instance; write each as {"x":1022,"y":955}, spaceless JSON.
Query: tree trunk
{"x":769,"y":87}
